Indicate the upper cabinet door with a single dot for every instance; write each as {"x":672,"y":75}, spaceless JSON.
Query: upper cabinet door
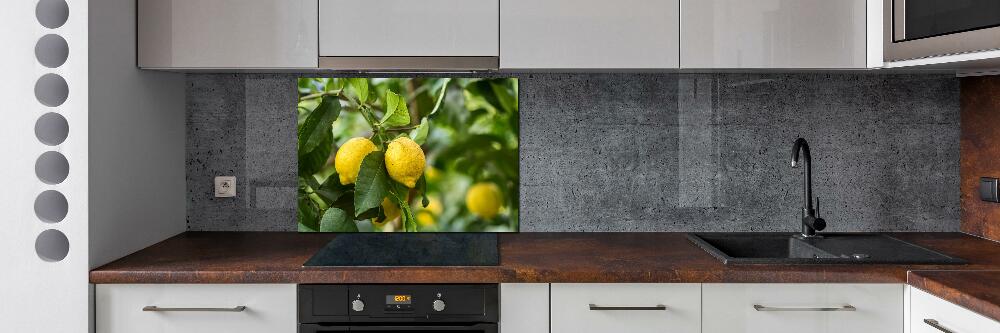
{"x":773,"y":34}
{"x":589,"y":34}
{"x":227,"y":33}
{"x":408,"y":28}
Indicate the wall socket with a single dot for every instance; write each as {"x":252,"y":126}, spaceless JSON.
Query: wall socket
{"x":225,"y":187}
{"x":988,"y":189}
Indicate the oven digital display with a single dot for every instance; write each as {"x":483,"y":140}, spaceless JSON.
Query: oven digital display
{"x":398,"y":299}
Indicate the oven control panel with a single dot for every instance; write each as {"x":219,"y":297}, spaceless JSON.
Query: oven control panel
{"x":398,"y":303}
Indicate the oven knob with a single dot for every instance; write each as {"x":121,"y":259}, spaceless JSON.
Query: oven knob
{"x":358,"y":305}
{"x":438,"y":305}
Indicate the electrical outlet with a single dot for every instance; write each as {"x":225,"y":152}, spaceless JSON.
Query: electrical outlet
{"x":225,"y":187}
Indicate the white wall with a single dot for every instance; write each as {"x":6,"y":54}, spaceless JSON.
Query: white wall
{"x":124,"y":187}
{"x":137,"y":188}
{"x":38,"y":295}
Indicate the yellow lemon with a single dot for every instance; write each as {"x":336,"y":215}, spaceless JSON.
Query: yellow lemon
{"x":348,"y":159}
{"x":433,"y":174}
{"x":484,"y":199}
{"x":434,"y":206}
{"x":425,"y":218}
{"x":404,"y":160}
{"x":390,"y":210}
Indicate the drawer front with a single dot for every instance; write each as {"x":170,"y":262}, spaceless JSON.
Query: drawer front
{"x":406,"y":28}
{"x":269,"y":308}
{"x":730,"y":308}
{"x":946,"y":315}
{"x":571,"y":310}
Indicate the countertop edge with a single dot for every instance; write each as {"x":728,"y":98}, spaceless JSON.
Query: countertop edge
{"x":929,"y":281}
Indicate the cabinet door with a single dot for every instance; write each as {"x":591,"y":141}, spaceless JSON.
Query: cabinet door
{"x":194,"y":308}
{"x":817,"y":308}
{"x":585,"y":34}
{"x":407,"y":28}
{"x":227,"y":33}
{"x":930,"y":314}
{"x":524,"y":308}
{"x":773,"y":34}
{"x":626,"y":307}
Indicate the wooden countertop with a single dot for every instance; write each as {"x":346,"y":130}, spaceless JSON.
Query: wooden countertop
{"x":277,"y":257}
{"x":978,"y":291}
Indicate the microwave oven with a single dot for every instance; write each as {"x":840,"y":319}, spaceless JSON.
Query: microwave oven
{"x":915,"y":29}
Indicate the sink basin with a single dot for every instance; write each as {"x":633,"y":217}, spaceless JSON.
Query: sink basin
{"x":785,"y":248}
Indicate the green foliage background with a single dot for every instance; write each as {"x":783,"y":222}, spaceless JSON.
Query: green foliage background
{"x":467,"y":128}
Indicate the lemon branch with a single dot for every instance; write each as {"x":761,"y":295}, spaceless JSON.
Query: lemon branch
{"x":323,"y":93}
{"x":401,"y":129}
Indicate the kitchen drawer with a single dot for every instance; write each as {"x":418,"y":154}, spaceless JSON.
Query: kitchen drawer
{"x":269,"y":308}
{"x":626,"y":307}
{"x":776,"y":308}
{"x":948,"y":316}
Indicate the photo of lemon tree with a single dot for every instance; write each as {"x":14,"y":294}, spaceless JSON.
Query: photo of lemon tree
{"x":408,"y":154}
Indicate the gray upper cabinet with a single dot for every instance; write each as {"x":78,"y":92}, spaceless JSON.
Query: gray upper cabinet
{"x":209,"y":34}
{"x":589,"y":34}
{"x":774,"y":34}
{"x":408,"y":34}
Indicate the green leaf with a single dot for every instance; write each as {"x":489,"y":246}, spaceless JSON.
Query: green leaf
{"x":360,"y":87}
{"x":419,"y":134}
{"x":398,"y":193}
{"x":507,"y":100}
{"x":313,"y":161}
{"x":422,"y":187}
{"x":307,"y":215}
{"x":440,"y":97}
{"x":396,"y":111}
{"x":336,"y":220}
{"x":316,"y":128}
{"x":372,"y":184}
{"x":332,"y":189}
{"x":371,"y":213}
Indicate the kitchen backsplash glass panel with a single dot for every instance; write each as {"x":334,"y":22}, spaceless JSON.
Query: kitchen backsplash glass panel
{"x":420,"y":154}
{"x":640,"y":152}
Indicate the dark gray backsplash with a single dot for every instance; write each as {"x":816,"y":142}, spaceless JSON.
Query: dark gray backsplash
{"x":640,"y":152}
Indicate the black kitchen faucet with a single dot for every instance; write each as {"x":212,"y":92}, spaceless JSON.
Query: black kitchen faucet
{"x":810,"y":221}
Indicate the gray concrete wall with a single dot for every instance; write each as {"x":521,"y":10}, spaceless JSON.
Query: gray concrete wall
{"x":641,"y":152}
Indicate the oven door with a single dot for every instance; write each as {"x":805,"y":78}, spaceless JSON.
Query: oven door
{"x":926,"y":28}
{"x":474,"y":328}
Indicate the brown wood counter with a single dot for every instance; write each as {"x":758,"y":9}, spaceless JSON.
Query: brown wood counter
{"x":978,"y":291}
{"x":277,"y":257}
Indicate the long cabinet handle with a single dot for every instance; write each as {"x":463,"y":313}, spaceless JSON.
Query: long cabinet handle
{"x":240,"y":308}
{"x":935,"y":324}
{"x":594,"y":307}
{"x":848,"y":307}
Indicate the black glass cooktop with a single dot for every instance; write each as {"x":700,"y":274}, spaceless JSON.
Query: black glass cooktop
{"x":409,"y":249}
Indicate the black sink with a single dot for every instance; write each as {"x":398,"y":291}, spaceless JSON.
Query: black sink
{"x":786,"y":248}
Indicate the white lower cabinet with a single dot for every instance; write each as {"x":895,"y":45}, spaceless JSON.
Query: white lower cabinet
{"x":524,"y":307}
{"x":625,"y":307}
{"x":816,"y":308}
{"x":196,"y":308}
{"x":930,"y":314}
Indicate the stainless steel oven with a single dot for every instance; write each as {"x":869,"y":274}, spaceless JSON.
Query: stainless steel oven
{"x":387,"y":308}
{"x":916,"y":29}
